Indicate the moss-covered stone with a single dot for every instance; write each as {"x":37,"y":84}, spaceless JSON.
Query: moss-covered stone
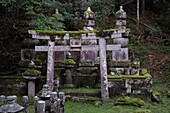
{"x":31,"y":72}
{"x":69,"y":61}
{"x":127,"y":76}
{"x":144,"y":71}
{"x":97,"y":103}
{"x":119,"y":63}
{"x":62,"y":33}
{"x":1,"y":103}
{"x":30,"y":13}
{"x":147,"y":75}
{"x":143,"y":111}
{"x":129,"y":101}
{"x":89,"y":12}
{"x":156,"y":93}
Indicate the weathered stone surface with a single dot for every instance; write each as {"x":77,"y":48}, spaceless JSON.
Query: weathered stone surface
{"x":35,"y":103}
{"x":103,"y":70}
{"x":122,"y":41}
{"x":89,"y":42}
{"x":88,"y":55}
{"x":25,"y":104}
{"x":60,"y":55}
{"x":50,"y":65}
{"x":120,"y":55}
{"x":115,"y":87}
{"x":117,"y":71}
{"x":120,"y":63}
{"x":86,"y":63}
{"x":62,"y":98}
{"x":2,"y":99}
{"x":113,"y":47}
{"x":128,"y":86}
{"x":75,"y":42}
{"x":121,"y":23}
{"x":11,"y":106}
{"x":116,"y":35}
{"x":41,"y":106}
{"x":31,"y":89}
{"x":53,"y":95}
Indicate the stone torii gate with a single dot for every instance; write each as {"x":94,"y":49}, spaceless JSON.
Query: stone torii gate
{"x":87,"y":34}
{"x":51,"y":48}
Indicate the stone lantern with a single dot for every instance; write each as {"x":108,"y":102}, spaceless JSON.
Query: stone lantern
{"x":31,"y":75}
{"x":11,"y":106}
{"x":69,"y":63}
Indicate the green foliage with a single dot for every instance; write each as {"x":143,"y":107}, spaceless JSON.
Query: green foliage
{"x":102,"y":9}
{"x":44,"y":22}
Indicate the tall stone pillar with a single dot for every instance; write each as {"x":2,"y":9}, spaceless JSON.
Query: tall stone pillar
{"x":50,"y":65}
{"x":103,"y":70}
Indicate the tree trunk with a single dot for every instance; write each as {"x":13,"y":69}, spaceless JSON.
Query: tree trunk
{"x":138,"y":11}
{"x":142,"y":7}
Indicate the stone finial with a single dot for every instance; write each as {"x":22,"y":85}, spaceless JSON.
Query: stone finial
{"x":56,"y":11}
{"x":121,"y":13}
{"x":88,"y":9}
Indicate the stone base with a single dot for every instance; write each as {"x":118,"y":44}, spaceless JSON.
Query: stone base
{"x":68,"y":86}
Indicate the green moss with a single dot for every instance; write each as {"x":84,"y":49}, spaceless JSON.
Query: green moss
{"x":144,"y":71}
{"x":89,"y":12}
{"x":30,"y":13}
{"x":156,"y":93}
{"x":143,"y":111}
{"x":136,"y":60}
{"x":62,"y":33}
{"x":126,"y":76}
{"x":1,"y":103}
{"x":31,"y":72}
{"x":69,"y":61}
{"x":147,"y":75}
{"x":129,"y":101}
{"x":97,"y":103}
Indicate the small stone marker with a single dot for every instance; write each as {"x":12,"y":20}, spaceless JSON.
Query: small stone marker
{"x":52,"y":101}
{"x":25,"y":104}
{"x":2,"y":99}
{"x":41,"y":106}
{"x":62,"y":97}
{"x":35,"y":103}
